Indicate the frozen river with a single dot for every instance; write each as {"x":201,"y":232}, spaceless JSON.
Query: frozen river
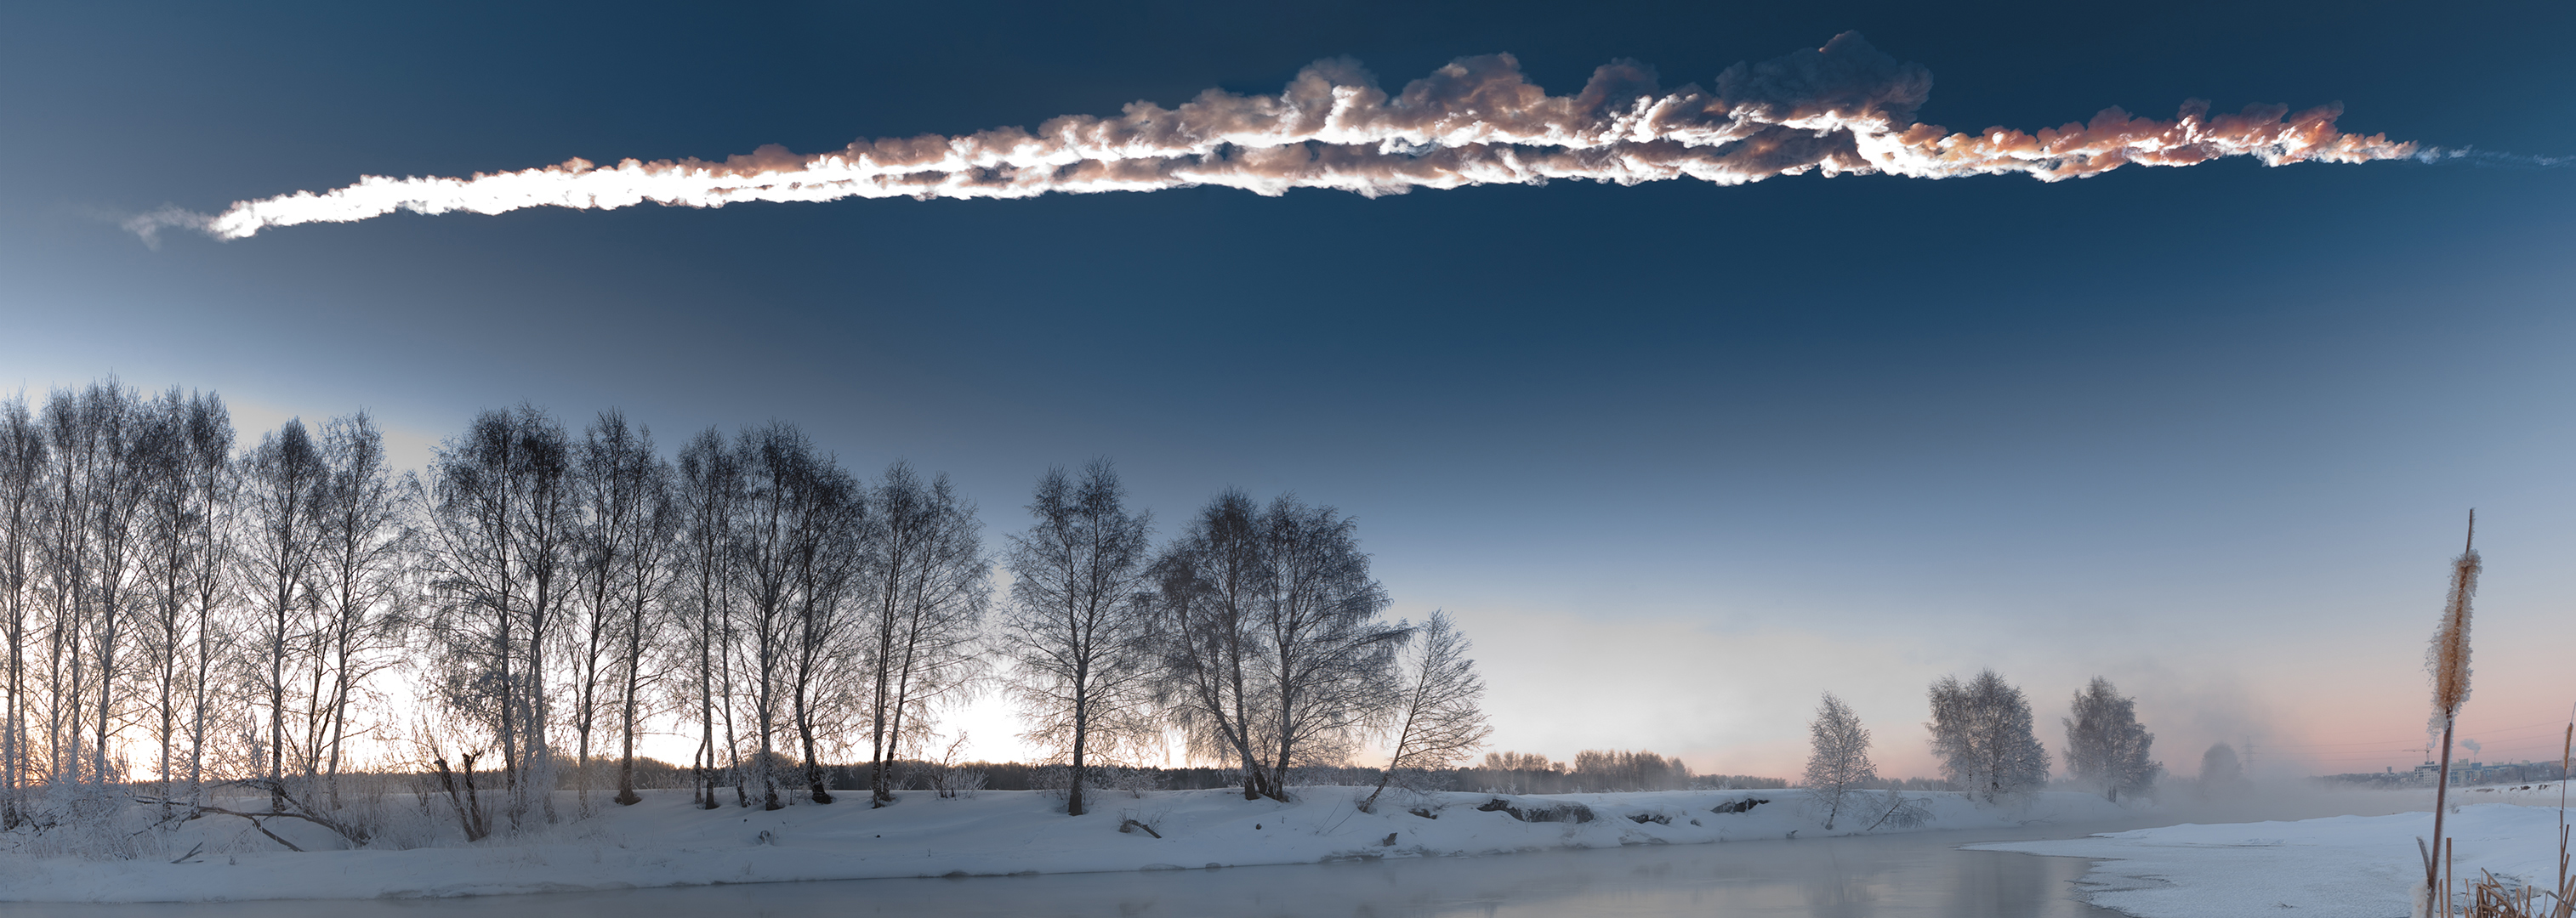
{"x":1915,"y":874}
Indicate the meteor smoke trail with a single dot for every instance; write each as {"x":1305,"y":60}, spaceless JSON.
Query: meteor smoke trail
{"x":1845,"y":108}
{"x":2476,"y":157}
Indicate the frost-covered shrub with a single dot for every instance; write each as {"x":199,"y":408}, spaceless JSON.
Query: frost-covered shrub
{"x":1898,"y":812}
{"x":954,"y":783}
{"x":1055,"y":780}
{"x":1556,"y":812}
{"x":1134,"y":820}
{"x":1331,"y":776}
{"x":1134,"y":782}
{"x":87,"y":822}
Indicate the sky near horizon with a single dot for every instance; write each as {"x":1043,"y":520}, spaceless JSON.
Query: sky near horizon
{"x":1677,"y":456}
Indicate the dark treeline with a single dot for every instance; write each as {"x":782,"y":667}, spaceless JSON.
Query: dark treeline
{"x":1592,"y":771}
{"x":181,"y":615}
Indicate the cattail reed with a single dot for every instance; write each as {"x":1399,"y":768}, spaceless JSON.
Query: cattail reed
{"x":2566,"y":890}
{"x":2448,"y":658}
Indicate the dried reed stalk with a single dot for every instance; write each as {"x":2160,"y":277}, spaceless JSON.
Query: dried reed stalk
{"x":2493,"y":898}
{"x":2448,"y":658}
{"x":2566,"y":906}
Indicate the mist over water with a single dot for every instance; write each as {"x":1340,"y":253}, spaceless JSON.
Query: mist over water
{"x":1904,"y":875}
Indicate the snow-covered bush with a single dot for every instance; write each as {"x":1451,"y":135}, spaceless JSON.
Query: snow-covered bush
{"x":88,"y":822}
{"x":955,"y":783}
{"x":1134,"y":782}
{"x":1897,"y":811}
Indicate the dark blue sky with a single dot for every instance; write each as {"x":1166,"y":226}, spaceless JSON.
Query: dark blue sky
{"x":2206,"y":431}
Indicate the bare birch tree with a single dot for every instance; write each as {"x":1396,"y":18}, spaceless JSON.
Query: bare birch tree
{"x":213,"y":583}
{"x":66,"y":561}
{"x":1981,"y":730}
{"x":361,"y":567}
{"x":622,"y":504}
{"x":120,"y":472}
{"x":23,"y":465}
{"x":282,"y":483}
{"x":100,"y":538}
{"x":798,"y":554}
{"x":628,"y":490}
{"x":822,"y":676}
{"x":187,"y":541}
{"x":928,"y":583}
{"x":1330,"y":670}
{"x":545,"y":545}
{"x":1075,"y":630}
{"x":766,"y":552}
{"x":168,"y":524}
{"x":2105,"y":744}
{"x":1441,"y":718}
{"x":1209,"y":584}
{"x":499,"y":543}
{"x":1839,"y":760}
{"x":710,"y":493}
{"x":1271,"y":647}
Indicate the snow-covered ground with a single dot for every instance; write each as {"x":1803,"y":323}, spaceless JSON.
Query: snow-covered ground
{"x":665,"y":842}
{"x":2360,"y":866}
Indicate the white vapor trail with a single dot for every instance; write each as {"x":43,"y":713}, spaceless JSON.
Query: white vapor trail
{"x":2477,"y":157}
{"x":1843,"y":108}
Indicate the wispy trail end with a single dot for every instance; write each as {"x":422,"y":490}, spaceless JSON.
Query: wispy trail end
{"x":1845,"y":108}
{"x":2476,"y":157}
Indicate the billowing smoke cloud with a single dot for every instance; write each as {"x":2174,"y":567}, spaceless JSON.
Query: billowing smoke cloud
{"x":1845,"y":108}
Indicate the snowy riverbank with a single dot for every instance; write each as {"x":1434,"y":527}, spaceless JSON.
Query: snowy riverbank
{"x":2361,"y":866}
{"x":665,"y":842}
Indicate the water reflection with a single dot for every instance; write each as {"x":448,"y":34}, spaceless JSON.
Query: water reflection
{"x":1918,"y":874}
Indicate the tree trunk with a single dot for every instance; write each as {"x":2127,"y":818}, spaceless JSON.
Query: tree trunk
{"x":626,"y":748}
{"x":813,"y":762}
{"x":277,"y":706}
{"x":707,"y":703}
{"x":634,"y":663}
{"x":1073,"y":785}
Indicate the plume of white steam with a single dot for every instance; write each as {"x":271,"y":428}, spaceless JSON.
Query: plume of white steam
{"x":1843,"y":108}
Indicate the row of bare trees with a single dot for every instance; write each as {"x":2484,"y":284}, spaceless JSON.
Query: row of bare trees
{"x":778,"y":606}
{"x":180,"y":614}
{"x":1257,"y":633}
{"x":1981,"y":729}
{"x":227,"y":614}
{"x":161,"y":596}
